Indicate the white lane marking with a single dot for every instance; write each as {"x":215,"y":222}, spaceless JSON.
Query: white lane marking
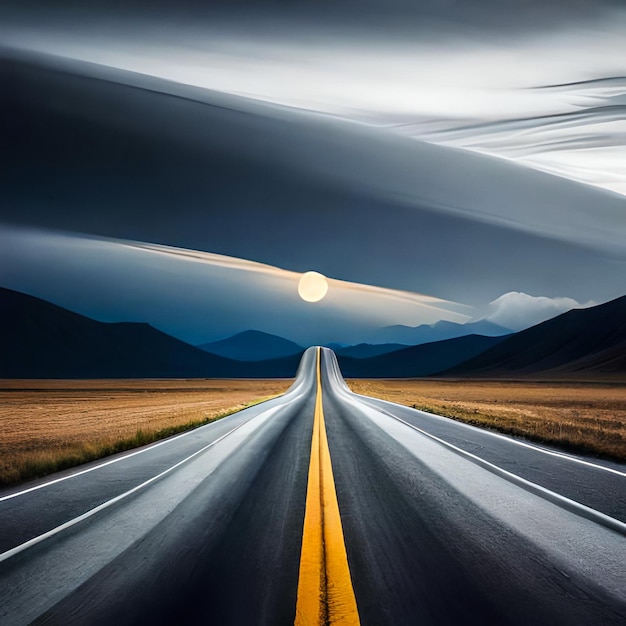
{"x":35,"y":540}
{"x":560,"y":455}
{"x":536,"y":448}
{"x":571,"y":505}
{"x":110,"y":462}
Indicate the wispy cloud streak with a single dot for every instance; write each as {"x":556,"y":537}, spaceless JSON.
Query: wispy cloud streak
{"x":436,"y":305}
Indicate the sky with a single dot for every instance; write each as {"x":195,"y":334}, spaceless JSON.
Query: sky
{"x":436,"y":160}
{"x":211,"y":295}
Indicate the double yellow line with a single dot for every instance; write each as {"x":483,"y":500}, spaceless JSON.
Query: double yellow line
{"x":325,"y":593}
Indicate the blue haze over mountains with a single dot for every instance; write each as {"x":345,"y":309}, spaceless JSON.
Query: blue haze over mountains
{"x":254,"y":345}
{"x":41,"y":340}
{"x":425,"y":333}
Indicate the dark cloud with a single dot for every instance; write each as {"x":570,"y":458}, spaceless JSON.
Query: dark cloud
{"x":205,"y":171}
{"x":407,"y":18}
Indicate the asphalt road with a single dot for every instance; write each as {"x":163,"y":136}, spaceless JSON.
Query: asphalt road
{"x":441,"y":523}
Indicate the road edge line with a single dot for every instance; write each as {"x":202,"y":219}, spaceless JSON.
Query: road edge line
{"x":105,"y":461}
{"x":568,"y":504}
{"x":105,"y":505}
{"x":525,"y":444}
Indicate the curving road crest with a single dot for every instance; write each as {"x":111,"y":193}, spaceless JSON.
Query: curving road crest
{"x":319,"y":507}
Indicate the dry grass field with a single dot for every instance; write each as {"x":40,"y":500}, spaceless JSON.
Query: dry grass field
{"x":585,"y":417}
{"x":47,"y":425}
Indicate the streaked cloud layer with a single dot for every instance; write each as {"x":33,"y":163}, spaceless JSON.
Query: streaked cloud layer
{"x":491,"y":94}
{"x":584,"y":139}
{"x":157,"y":161}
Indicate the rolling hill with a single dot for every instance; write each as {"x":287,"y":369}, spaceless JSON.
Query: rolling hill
{"x":581,"y":342}
{"x":41,"y":340}
{"x":252,"y":345}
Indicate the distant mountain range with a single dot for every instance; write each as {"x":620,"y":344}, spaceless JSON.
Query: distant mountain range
{"x":41,"y":340}
{"x":253,"y":345}
{"x":581,"y":342}
{"x":416,"y":361}
{"x":427,"y":333}
{"x":367,"y":350}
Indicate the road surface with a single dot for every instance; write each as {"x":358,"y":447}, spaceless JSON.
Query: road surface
{"x":318,"y":507}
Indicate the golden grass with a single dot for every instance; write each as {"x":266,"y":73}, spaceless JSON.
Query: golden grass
{"x":48,"y":425}
{"x":585,"y":417}
{"x":54,"y":424}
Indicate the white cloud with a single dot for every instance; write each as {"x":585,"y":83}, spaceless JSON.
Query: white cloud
{"x":517,"y":310}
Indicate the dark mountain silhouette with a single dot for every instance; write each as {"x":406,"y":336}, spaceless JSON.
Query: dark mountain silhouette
{"x":422,"y":360}
{"x":41,"y":340}
{"x":581,"y":342}
{"x":367,"y":350}
{"x":253,"y":345}
{"x":428,"y":333}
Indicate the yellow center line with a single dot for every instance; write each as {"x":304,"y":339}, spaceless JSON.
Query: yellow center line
{"x":325,"y":593}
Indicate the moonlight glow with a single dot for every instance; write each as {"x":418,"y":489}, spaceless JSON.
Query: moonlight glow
{"x":312,"y":287}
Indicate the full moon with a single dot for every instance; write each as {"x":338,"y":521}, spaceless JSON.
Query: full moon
{"x":312,"y":287}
